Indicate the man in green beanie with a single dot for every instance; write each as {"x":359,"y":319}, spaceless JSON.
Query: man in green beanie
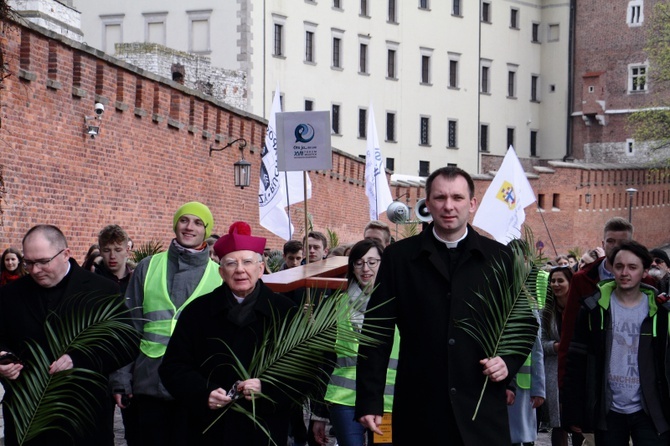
{"x":161,"y":287}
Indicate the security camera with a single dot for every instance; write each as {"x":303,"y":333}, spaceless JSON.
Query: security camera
{"x":99,"y":108}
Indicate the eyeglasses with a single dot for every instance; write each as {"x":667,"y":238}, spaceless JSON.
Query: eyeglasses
{"x":231,"y":265}
{"x":28,"y":264}
{"x":358,"y":264}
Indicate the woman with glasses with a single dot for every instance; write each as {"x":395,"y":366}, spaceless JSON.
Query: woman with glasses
{"x":364,"y":262}
{"x":11,"y":266}
{"x":559,"y":284}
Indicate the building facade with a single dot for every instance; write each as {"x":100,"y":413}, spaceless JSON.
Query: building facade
{"x":450,"y":81}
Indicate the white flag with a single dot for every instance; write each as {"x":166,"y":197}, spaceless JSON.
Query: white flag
{"x":376,"y":185}
{"x":272,"y":196}
{"x":501,"y":212}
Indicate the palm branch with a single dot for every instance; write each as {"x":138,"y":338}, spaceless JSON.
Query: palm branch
{"x":504,"y":324}
{"x":147,"y":249}
{"x":64,"y":401}
{"x":291,"y":354}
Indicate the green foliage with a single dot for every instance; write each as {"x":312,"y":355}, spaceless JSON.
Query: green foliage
{"x":147,"y":249}
{"x":504,"y":324}
{"x":62,"y":401}
{"x":409,"y":229}
{"x":333,"y":239}
{"x":290,"y":355}
{"x":576,"y":251}
{"x":274,"y":260}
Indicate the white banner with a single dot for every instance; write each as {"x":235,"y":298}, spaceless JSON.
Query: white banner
{"x":376,"y":185}
{"x":304,"y":141}
{"x":501,"y":212}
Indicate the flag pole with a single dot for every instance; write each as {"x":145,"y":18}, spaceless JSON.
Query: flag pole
{"x":288,"y":205}
{"x":304,"y":184}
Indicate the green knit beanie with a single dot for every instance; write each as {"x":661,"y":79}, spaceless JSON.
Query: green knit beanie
{"x":199,"y":210}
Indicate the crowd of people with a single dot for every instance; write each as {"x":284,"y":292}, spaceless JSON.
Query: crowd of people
{"x":596,"y":369}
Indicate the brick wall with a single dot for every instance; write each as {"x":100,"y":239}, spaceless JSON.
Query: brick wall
{"x":152,"y":155}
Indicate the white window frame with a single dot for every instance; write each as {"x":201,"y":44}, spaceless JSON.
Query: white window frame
{"x":455,"y":121}
{"x":426,"y":7}
{"x":485,"y":63}
{"x":279,"y":20}
{"x":155,"y":17}
{"x":203,"y":15}
{"x":310,"y":28}
{"x":558,"y":34}
{"x":635,"y":13}
{"x":489,"y":19}
{"x":632,"y":75}
{"x":426,"y":52}
{"x":337,"y":34}
{"x":111,"y":20}
{"x":421,"y":120}
{"x":364,"y":40}
{"x":517,"y":18}
{"x":392,"y":46}
{"x":537,"y":97}
{"x":630,"y":147}
{"x":454,"y":57}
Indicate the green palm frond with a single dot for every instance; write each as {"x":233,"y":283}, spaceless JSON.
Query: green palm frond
{"x":504,"y":323}
{"x":63,"y":401}
{"x":291,"y":354}
{"x":274,"y":260}
{"x":147,"y":249}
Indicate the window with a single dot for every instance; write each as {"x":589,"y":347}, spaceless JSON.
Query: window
{"x":113,"y":32}
{"x":533,"y":88}
{"x":337,"y":55}
{"x":364,"y":8}
{"x":423,"y":4}
{"x":553,"y":33}
{"x":425,"y":69}
{"x":335,"y":117}
{"x":391,"y":64}
{"x":337,"y":4}
{"x":424,"y":168}
{"x":511,"y":84}
{"x":390,"y":127}
{"x":309,"y":105}
{"x":362,"y":123}
{"x":535,"y":33}
{"x":456,"y":7}
{"x":485,"y":76}
{"x":484,"y":138}
{"x":199,"y":31}
{"x":279,"y":40}
{"x":514,"y":18}
{"x":630,"y":147}
{"x":533,"y":143}
{"x":486,"y":12}
{"x":309,"y":46}
{"x":390,"y":163}
{"x":451,"y":134}
{"x":510,"y":137}
{"x":393,"y":11}
{"x":637,"y":78}
{"x":154,"y":27}
{"x":635,"y":13}
{"x":453,"y":70}
{"x":363,"y":58}
{"x":424,"y":131}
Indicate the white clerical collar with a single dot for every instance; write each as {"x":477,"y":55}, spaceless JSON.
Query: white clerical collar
{"x":448,"y":243}
{"x":238,"y":299}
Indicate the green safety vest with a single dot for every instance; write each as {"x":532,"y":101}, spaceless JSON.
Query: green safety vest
{"x":523,"y":375}
{"x":541,"y":286}
{"x":159,"y":312}
{"x":342,"y":386}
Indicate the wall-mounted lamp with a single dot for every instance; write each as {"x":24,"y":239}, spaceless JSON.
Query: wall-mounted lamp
{"x":242,"y":168}
{"x":587,"y":198}
{"x":93,"y":129}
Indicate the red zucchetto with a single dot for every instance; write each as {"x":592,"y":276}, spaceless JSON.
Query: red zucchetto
{"x":239,"y":238}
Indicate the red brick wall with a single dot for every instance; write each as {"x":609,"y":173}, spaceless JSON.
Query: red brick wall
{"x":152,"y":155}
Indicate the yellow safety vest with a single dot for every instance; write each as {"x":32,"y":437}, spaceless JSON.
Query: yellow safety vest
{"x":159,"y":312}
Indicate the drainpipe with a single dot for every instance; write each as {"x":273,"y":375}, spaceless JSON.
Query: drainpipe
{"x":571,"y":74}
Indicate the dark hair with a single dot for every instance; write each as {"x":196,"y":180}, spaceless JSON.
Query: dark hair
{"x":112,"y":234}
{"x":566,"y":269}
{"x":317,"y":235}
{"x":91,"y":256}
{"x":450,"y":173}
{"x":639,"y":250}
{"x":358,"y":251}
{"x":50,"y":232}
{"x":20,"y":270}
{"x":292,"y":247}
{"x":618,"y":224}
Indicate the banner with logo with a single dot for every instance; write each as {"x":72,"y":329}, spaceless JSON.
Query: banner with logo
{"x":303,"y":140}
{"x":501,"y":212}
{"x":376,"y":185}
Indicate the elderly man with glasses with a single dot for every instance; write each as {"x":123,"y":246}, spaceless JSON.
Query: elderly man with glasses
{"x":199,"y":367}
{"x":56,"y":288}
{"x":660,"y":271}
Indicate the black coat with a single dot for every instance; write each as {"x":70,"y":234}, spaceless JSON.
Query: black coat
{"x":438,"y":363}
{"x":22,"y":318}
{"x":197,"y":362}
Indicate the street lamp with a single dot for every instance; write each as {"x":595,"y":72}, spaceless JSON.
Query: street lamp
{"x":631,"y":192}
{"x":242,"y":168}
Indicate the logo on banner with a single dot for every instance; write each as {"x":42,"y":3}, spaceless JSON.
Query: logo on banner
{"x":269,"y":178}
{"x":507,"y":195}
{"x":304,"y":133}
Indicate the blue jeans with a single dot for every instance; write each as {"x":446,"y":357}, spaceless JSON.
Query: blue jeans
{"x":638,"y":426}
{"x":347,"y":431}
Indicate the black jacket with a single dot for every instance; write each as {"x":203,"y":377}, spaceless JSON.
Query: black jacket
{"x":22,"y":318}
{"x":197,"y":362}
{"x":438,"y":362}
